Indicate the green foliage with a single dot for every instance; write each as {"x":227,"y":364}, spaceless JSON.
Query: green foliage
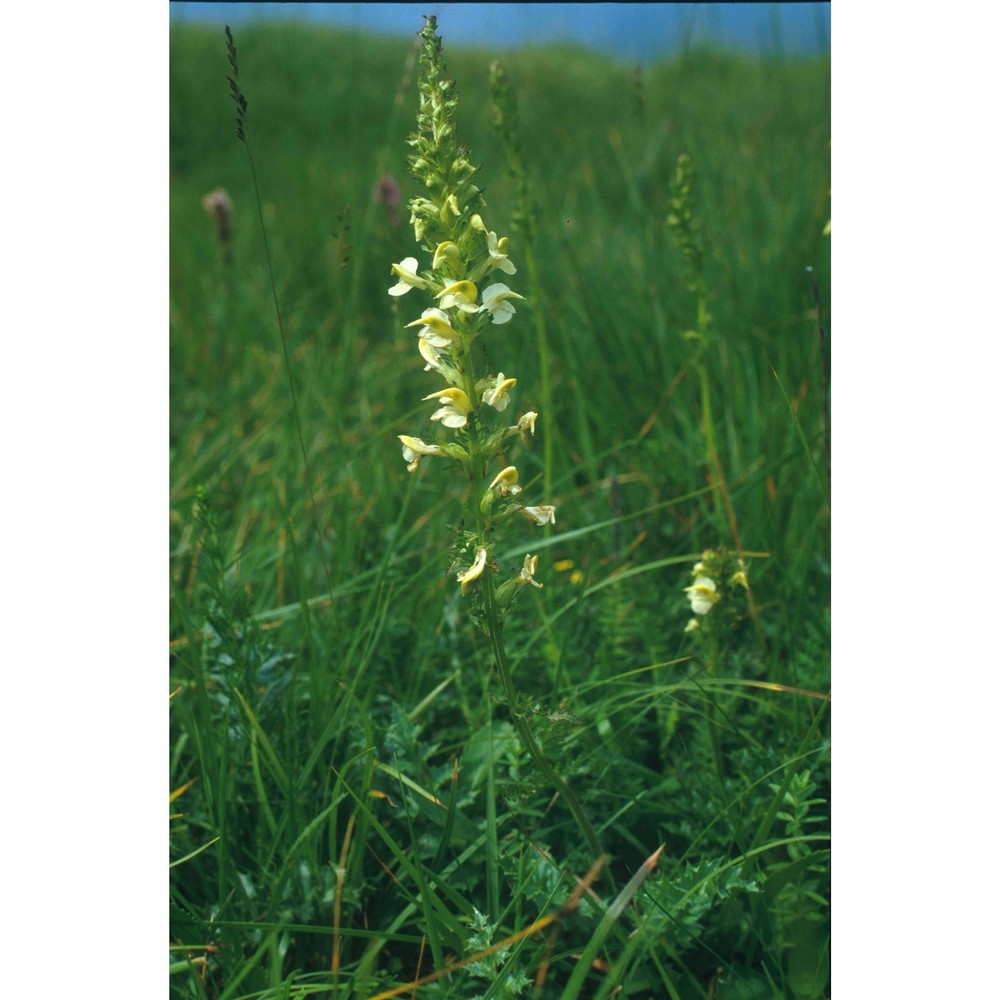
{"x":343,"y":801}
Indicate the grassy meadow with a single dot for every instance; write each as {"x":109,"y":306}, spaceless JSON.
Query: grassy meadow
{"x":351,"y":806}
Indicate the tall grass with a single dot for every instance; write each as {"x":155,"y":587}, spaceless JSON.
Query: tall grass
{"x":347,"y":819}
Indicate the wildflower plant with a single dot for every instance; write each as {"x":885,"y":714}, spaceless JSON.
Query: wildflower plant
{"x":720,"y":580}
{"x":461,"y":281}
{"x":717,"y":595}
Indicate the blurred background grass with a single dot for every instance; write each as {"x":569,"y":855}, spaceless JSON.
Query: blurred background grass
{"x":327,"y":119}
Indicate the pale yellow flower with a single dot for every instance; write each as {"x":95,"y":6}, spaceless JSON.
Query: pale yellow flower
{"x":495,"y":302}
{"x":455,"y":408}
{"x":545,"y":514}
{"x":498,"y":254}
{"x":450,"y":205}
{"x":446,"y":254}
{"x":692,"y":625}
{"x":459,"y":295}
{"x":525,"y":424}
{"x":527,"y":574}
{"x":702,"y":594}
{"x":431,"y":355}
{"x":496,"y":395}
{"x":406,"y":271}
{"x":414,"y":449}
{"x":434,"y":326}
{"x":468,"y":575}
{"x":506,"y":482}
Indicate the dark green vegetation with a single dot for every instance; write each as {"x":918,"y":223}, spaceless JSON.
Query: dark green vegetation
{"x":347,"y":816}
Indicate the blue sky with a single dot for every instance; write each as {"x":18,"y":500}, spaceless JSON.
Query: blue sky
{"x":642,"y":31}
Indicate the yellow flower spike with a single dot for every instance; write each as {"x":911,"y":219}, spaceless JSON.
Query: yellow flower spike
{"x":459,"y":295}
{"x":506,"y":482}
{"x":468,"y":575}
{"x":496,"y":395}
{"x":456,"y":408}
{"x":702,"y":594}
{"x":545,"y":514}
{"x":435,"y":327}
{"x":446,"y":254}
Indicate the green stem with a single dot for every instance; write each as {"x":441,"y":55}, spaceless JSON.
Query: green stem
{"x":493,"y":624}
{"x":535,"y":291}
{"x":521,"y":723}
{"x":708,"y":430}
{"x":712,"y":654}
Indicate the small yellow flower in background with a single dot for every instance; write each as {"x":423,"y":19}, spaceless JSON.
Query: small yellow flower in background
{"x":739,"y":578}
{"x":460,"y":295}
{"x":496,"y":395}
{"x":406,"y":271}
{"x":468,"y":575}
{"x":567,"y":564}
{"x":435,"y":328}
{"x":527,"y":574}
{"x":455,"y":409}
{"x":545,"y":514}
{"x":702,"y":595}
{"x":506,"y":482}
{"x":446,"y":255}
{"x":692,"y":625}
{"x":414,"y":449}
{"x":495,"y":302}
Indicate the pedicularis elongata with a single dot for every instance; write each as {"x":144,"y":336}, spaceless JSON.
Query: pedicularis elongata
{"x":465,"y":301}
